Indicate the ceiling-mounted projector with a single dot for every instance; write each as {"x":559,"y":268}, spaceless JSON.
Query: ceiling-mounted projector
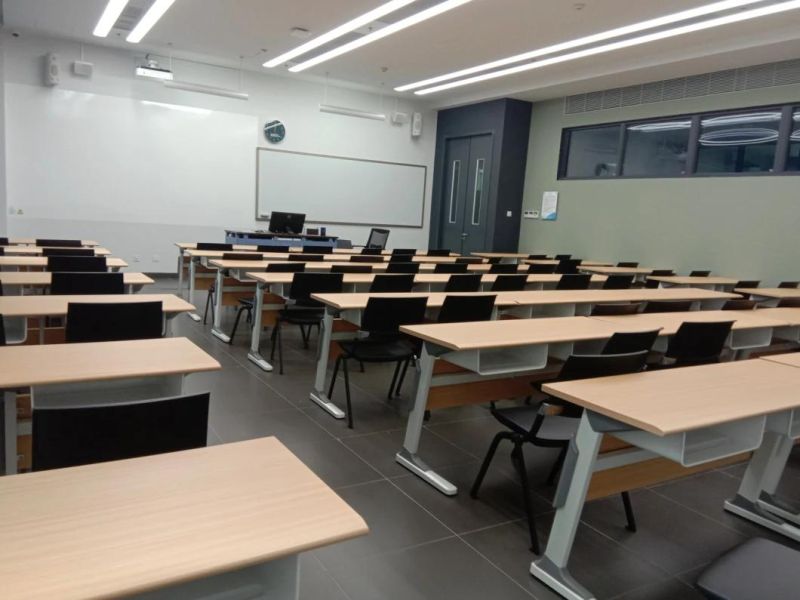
{"x":151,"y":69}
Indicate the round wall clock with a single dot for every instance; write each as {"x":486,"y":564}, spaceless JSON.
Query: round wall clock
{"x":274,"y":131}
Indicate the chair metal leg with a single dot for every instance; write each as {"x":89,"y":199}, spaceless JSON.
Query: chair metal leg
{"x":394,"y":380}
{"x":279,"y":336}
{"x":518,"y":458}
{"x":362,"y":366}
{"x":335,"y":373}
{"x":305,"y":335}
{"x":347,"y":394}
{"x":402,"y":377}
{"x":209,"y":302}
{"x":626,"y":501}
{"x":236,"y":322}
{"x":551,"y":479}
{"x":273,"y":338}
{"x":486,"y":462}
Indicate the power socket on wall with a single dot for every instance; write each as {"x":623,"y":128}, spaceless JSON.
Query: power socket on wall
{"x":530,"y":214}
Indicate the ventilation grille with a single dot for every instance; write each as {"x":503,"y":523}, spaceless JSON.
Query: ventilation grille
{"x":721,"y":82}
{"x":131,"y":15}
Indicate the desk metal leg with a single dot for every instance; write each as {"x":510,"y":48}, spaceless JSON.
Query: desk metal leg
{"x":216,"y":327}
{"x":192,"y":266}
{"x":255,"y":335}
{"x":180,"y":271}
{"x":319,"y":396}
{"x":10,"y":431}
{"x":551,"y":569}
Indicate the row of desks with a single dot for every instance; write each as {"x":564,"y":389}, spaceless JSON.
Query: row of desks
{"x":115,"y":264}
{"x":35,"y":250}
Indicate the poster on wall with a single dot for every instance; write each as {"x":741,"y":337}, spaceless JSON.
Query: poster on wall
{"x":549,"y":206}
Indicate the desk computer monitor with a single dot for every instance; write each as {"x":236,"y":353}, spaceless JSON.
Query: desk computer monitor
{"x":281,"y":222}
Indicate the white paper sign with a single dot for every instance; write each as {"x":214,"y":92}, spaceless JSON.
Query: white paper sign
{"x":549,"y":206}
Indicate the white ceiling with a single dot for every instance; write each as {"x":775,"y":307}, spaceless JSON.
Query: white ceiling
{"x":220,"y":31}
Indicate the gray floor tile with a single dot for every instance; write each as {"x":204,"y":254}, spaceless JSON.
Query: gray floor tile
{"x":669,"y":589}
{"x":334,"y":463}
{"x":289,"y":426}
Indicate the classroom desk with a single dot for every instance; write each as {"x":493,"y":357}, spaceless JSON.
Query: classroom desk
{"x":333,"y":257}
{"x":32,"y":242}
{"x":512,"y":257}
{"x":791,"y":314}
{"x":222,"y":522}
{"x":14,"y":281}
{"x":115,"y":264}
{"x":100,"y":372}
{"x":553,"y":261}
{"x":712,"y":283}
{"x":18,"y":309}
{"x":638,"y":273}
{"x":35,"y":250}
{"x":769,"y":296}
{"x":691,"y":415}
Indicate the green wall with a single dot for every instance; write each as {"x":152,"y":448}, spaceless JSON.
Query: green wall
{"x":743,"y":227}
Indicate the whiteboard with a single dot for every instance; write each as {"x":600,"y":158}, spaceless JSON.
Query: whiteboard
{"x":338,"y":189}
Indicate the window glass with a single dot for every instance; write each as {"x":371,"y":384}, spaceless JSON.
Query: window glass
{"x":593,"y":152}
{"x":454,"y":190}
{"x":657,"y":149}
{"x":793,"y":164}
{"x":478,"y":197}
{"x":738,"y":143}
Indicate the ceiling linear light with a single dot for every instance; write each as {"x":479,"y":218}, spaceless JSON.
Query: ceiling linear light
{"x":419,"y":17}
{"x":110,"y":15}
{"x":150,"y":18}
{"x":664,"y":126}
{"x":585,"y":41}
{"x":178,"y":107}
{"x":206,"y":89}
{"x":741,"y":119}
{"x":339,"y":31}
{"x":645,"y":39}
{"x":351,"y":112}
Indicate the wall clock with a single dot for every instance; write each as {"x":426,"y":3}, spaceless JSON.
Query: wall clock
{"x":274,"y":131}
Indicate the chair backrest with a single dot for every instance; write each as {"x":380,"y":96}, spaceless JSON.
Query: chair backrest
{"x":698,"y":343}
{"x":611,"y":310}
{"x":242,"y":256}
{"x":439,"y":252}
{"x":2,"y":251}
{"x":366,"y":258}
{"x":305,"y":284}
{"x":67,"y":251}
{"x":504,"y":268}
{"x":662,"y":306}
{"x":658,"y":273}
{"x":699,"y":273}
{"x":293,"y":267}
{"x":789,"y":303}
{"x":386,"y":284}
{"x":307,"y":257}
{"x":568,"y":266}
{"x":80,"y":435}
{"x":214,"y":246}
{"x":57,"y":242}
{"x":631,"y":265}
{"x":495,"y":260}
{"x":618,"y":282}
{"x":384,"y":316}
{"x":740,"y":304}
{"x":563,"y":256}
{"x":404,"y":251}
{"x":372,"y":251}
{"x":3,"y":241}
{"x":77,"y":264}
{"x":402,"y":267}
{"x":464,"y":283}
{"x":630,"y":341}
{"x":789,"y":284}
{"x":463,"y":309}
{"x":586,"y":366}
{"x":63,"y":283}
{"x":469,"y":260}
{"x":450,"y":268}
{"x":401,"y":258}
{"x":574,"y":282}
{"x":112,"y":321}
{"x":748,"y":283}
{"x":537,"y":256}
{"x":318,"y":249}
{"x":344,"y":244}
{"x":2,"y":331}
{"x":276,"y":249}
{"x":351,"y":269}
{"x":377,"y":238}
{"x":510,"y":283}
{"x":542,"y":269}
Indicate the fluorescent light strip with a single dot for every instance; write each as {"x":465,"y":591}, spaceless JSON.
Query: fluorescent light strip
{"x":338,"y":32}
{"x":585,"y":41}
{"x":110,"y":15}
{"x":351,"y":112}
{"x":380,"y":33}
{"x":206,"y":89}
{"x":645,"y":39}
{"x":150,"y":18}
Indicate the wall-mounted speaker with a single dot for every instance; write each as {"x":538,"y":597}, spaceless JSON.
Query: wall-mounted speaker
{"x":52,"y":72}
{"x":416,"y":125}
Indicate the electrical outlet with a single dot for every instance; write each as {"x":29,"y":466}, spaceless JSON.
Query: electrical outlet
{"x":530,"y":214}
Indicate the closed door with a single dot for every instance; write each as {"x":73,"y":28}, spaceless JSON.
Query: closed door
{"x":465,"y":202}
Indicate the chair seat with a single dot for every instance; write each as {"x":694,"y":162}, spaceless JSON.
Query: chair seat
{"x":378,"y":350}
{"x":521,"y":418}
{"x":246,"y":302}
{"x":757,"y":570}
{"x":301,"y":316}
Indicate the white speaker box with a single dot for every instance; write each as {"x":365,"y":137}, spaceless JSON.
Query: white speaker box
{"x":52,"y":72}
{"x":416,"y":125}
{"x":400,"y":118}
{"x":82,"y":68}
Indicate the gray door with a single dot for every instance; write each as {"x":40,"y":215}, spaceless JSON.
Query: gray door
{"x":466,"y":193}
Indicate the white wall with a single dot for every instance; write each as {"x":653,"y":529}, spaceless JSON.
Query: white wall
{"x":150,"y":232}
{"x":3,"y":206}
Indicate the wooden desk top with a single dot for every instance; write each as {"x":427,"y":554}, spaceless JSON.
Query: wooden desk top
{"x":118,"y":528}
{"x":678,"y":400}
{"x":359,"y":301}
{"x":27,"y":365}
{"x":552,"y":261}
{"x":43,"y":278}
{"x":687,"y":280}
{"x":41,"y":261}
{"x":252,"y":248}
{"x":265,"y":277}
{"x":55,"y":306}
{"x":335,"y":257}
{"x":788,"y":314}
{"x":510,"y":333}
{"x":779,"y":293}
{"x":255,"y":265}
{"x":670,"y":322}
{"x":32,"y":242}
{"x":791,"y":359}
{"x":516,"y":255}
{"x":615,"y":270}
{"x":35,"y":250}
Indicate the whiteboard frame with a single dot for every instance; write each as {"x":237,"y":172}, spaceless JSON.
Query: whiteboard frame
{"x":260,"y":217}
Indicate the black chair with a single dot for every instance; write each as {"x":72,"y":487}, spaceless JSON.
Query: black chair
{"x":63,"y":283}
{"x":344,"y":244}
{"x":2,"y":331}
{"x":439,"y":252}
{"x":542,"y":269}
{"x":612,"y":310}
{"x":252,"y":256}
{"x":534,"y":425}
{"x":381,"y":321}
{"x":80,"y":435}
{"x":77,"y":264}
{"x":351,"y":268}
{"x":757,"y":569}
{"x":740,"y":304}
{"x":57,"y":242}
{"x":631,"y":341}
{"x":537,"y":256}
{"x":748,"y":283}
{"x":67,"y":252}
{"x":658,"y":273}
{"x":618,"y":282}
{"x":2,"y":251}
{"x":301,"y":257}
{"x":394,"y":258}
{"x":631,"y":265}
{"x":392,"y":284}
{"x":509,"y":283}
{"x":464,"y":283}
{"x":450,"y":268}
{"x":574,"y":282}
{"x":469,"y":260}
{"x":3,"y":241}
{"x":304,"y":311}
{"x":568,"y":266}
{"x":317,"y":250}
{"x":377,"y":238}
{"x":113,"y":321}
{"x":504,"y":268}
{"x":465,"y":309}
{"x":697,"y":343}
{"x":789,"y":284}
{"x":275,"y":249}
{"x":663,"y":306}
{"x":366,"y":258}
{"x":404,"y":251}
{"x":699,"y":273}
{"x":214,"y":246}
{"x":789,"y":303}
{"x":371,"y":251}
{"x":563,"y":256}
{"x":402,"y":267}
{"x":495,"y":260}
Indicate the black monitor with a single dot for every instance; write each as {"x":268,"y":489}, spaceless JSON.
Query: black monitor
{"x":281,"y":222}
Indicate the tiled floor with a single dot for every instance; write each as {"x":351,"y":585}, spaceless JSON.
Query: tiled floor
{"x":424,"y":545}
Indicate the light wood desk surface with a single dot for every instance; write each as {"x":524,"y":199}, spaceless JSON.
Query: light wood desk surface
{"x":252,"y":248}
{"x":778,"y":293}
{"x":670,"y":322}
{"x":791,"y":359}
{"x":44,"y":278}
{"x":32,"y":242}
{"x":45,"y":364}
{"x":358,"y":301}
{"x":552,"y":261}
{"x":789,"y":314}
{"x":517,"y":255}
{"x":679,"y":400}
{"x":36,"y":250}
{"x":615,"y":270}
{"x":687,"y":280}
{"x":255,"y":265}
{"x":118,"y":528}
{"x":421,"y":278}
{"x":54,"y":306}
{"x":335,"y":257}
{"x":41,"y":261}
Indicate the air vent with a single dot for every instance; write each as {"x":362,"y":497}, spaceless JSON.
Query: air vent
{"x":721,"y":82}
{"x":132,"y":15}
